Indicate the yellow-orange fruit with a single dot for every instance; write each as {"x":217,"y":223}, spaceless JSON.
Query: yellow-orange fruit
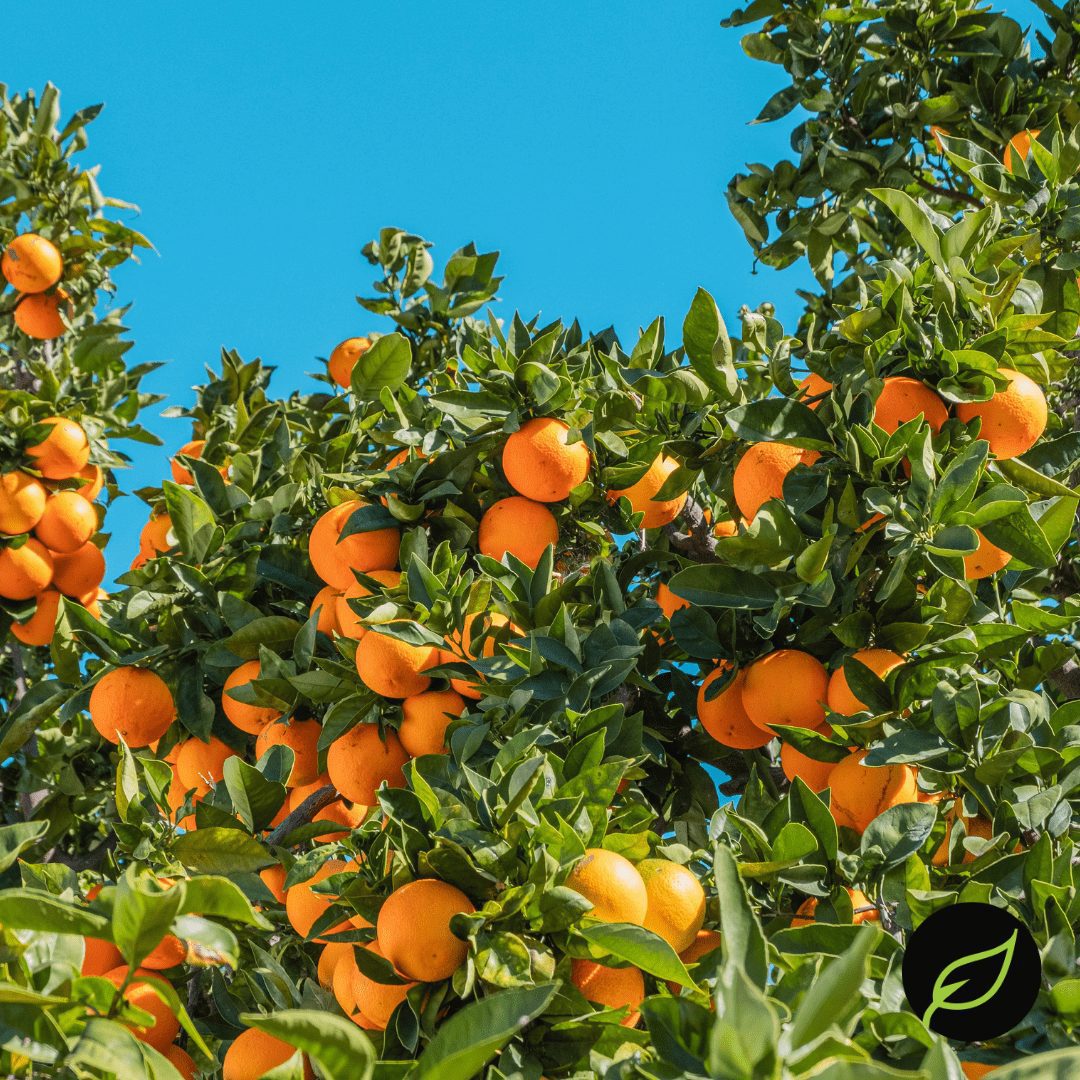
{"x":341,"y":983}
{"x":642,"y":495}
{"x":359,"y":761}
{"x":26,"y":570}
{"x":540,"y":464}
{"x":64,"y":452}
{"x":519,"y":526}
{"x":668,"y":601}
{"x":611,"y":883}
{"x":168,"y":952}
{"x":986,"y":560}
{"x":863,"y":909}
{"x":181,"y":1061}
{"x":31,"y":263}
{"x":253,"y":1053}
{"x":813,"y":773}
{"x":423,"y":948}
{"x":676,"y":902}
{"x":325,"y":603}
{"x":724,"y":717}
{"x":38,"y":630}
{"x":1020,"y":145}
{"x":181,"y":474}
{"x":38,"y":316}
{"x":902,"y":399}
{"x":132,"y":703}
{"x":140,"y":993}
{"x":705,"y":941}
{"x":344,"y":357}
{"x":425,"y":720}
{"x":273,"y":877}
{"x":377,"y":1001}
{"x":68,"y":522}
{"x":157,"y":536}
{"x":879,"y":661}
{"x":788,"y":687}
{"x":79,"y":573}
{"x":334,"y":560}
{"x":200,"y":764}
{"x":302,"y":737}
{"x":861,"y":792}
{"x":304,"y":907}
{"x":249,"y":718}
{"x":22,"y":502}
{"x":94,"y":475}
{"x":1013,"y":420}
{"x":724,"y":529}
{"x":393,"y":668}
{"x":331,"y":954}
{"x":813,"y":386}
{"x":99,"y":956}
{"x":349,"y":624}
{"x":613,"y":988}
{"x":760,"y":473}
{"x":978,"y":826}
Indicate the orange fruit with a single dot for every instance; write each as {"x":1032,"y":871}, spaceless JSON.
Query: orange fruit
{"x":861,"y":792}
{"x":348,"y":815}
{"x":724,"y":529}
{"x":1019,"y":144}
{"x":132,"y":703}
{"x":79,"y":573}
{"x":302,"y":737}
{"x":978,"y":825}
{"x":99,"y":956}
{"x":341,"y":983}
{"x":787,"y":686}
{"x":359,"y":761}
{"x":1013,"y":420}
{"x":273,"y":877}
{"x":25,"y":570}
{"x":759,"y":475}
{"x":304,"y":907}
{"x":377,"y":1001}
{"x":705,"y":941}
{"x":613,"y":988}
{"x":334,"y":561}
{"x":325,"y":603}
{"x":157,"y":536}
{"x":194,"y":449}
{"x":724,"y":717}
{"x":540,"y":464}
{"x":426,"y":718}
{"x":863,"y":909}
{"x":168,"y":952}
{"x":249,"y":718}
{"x":676,"y":902}
{"x":349,"y":624}
{"x":253,"y":1053}
{"x":938,"y":132}
{"x":986,"y":560}
{"x":39,"y":628}
{"x":38,"y":316}
{"x":642,"y":495}
{"x":64,"y":452}
{"x":328,"y":961}
{"x":344,"y":357}
{"x":22,"y":502}
{"x":811,"y":387}
{"x":140,"y":992}
{"x":461,"y":647}
{"x":813,"y":773}
{"x":668,"y":601}
{"x":200,"y":765}
{"x":181,"y":1061}
{"x":879,"y":661}
{"x":31,"y":263}
{"x":424,"y":949}
{"x":94,"y":475}
{"x":611,"y":883}
{"x":393,"y":668}
{"x":519,"y":526}
{"x":68,"y":522}
{"x":902,"y":399}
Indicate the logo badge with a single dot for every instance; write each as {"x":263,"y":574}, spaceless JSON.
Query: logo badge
{"x":971,"y":971}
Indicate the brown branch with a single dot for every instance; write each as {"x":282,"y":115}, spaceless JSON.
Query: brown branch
{"x":1066,"y":680}
{"x":304,"y":814}
{"x":691,"y":535}
{"x":948,"y":192}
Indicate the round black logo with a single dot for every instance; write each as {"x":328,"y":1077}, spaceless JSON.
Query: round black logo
{"x":971,"y":971}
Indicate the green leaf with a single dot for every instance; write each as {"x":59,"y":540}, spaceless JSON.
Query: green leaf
{"x":273,"y":631}
{"x":1019,"y":534}
{"x":898,"y":831}
{"x":713,"y":585}
{"x":143,"y":911}
{"x":706,"y":341}
{"x":640,"y":947}
{"x":341,"y":1049}
{"x":192,"y":521}
{"x":386,"y":364}
{"x":915,"y":219}
{"x":210,"y":895}
{"x":779,"y":419}
{"x":741,"y":934}
{"x":110,"y":1048}
{"x":15,"y":839}
{"x":255,"y":798}
{"x":220,"y":850}
{"x":1056,"y":1065}
{"x":34,"y":909}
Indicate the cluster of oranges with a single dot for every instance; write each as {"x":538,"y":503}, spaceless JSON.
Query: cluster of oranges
{"x":47,"y":523}
{"x":33,"y":266}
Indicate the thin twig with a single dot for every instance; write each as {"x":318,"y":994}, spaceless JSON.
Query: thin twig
{"x":304,"y":814}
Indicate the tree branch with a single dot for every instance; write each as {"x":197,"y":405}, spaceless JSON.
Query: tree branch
{"x":88,"y":861}
{"x":948,"y":192}
{"x":304,"y":814}
{"x":691,"y":535}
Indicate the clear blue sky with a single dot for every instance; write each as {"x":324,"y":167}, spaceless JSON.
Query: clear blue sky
{"x":590,"y":143}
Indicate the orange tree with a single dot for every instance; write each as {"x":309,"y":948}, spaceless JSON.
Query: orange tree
{"x":414,"y":696}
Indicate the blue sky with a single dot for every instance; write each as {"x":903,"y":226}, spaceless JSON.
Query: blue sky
{"x":590,"y":143}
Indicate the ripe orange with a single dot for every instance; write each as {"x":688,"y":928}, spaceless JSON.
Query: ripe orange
{"x":725,"y":717}
{"x":787,"y":686}
{"x":132,"y":703}
{"x":22,"y":502}
{"x":64,"y":452}
{"x":813,"y":773}
{"x":99,"y":956}
{"x":273,"y":877}
{"x":25,"y":570}
{"x":140,"y":992}
{"x":705,"y":941}
{"x":335,"y":561}
{"x":642,"y":495}
{"x":861,"y":792}
{"x":39,"y":628}
{"x":341,"y":982}
{"x":249,"y":718}
{"x":328,"y":960}
{"x":349,"y":624}
{"x":200,"y":764}
{"x":676,"y":902}
{"x":302,"y":737}
{"x":613,"y":988}
{"x":863,"y":910}
{"x":879,"y":661}
{"x":426,"y":718}
{"x":976,"y":1070}
{"x":1019,"y":144}
{"x":1013,"y":420}
{"x":194,"y":449}
{"x":540,"y":464}
{"x":94,"y":475}
{"x":304,"y":908}
{"x":31,"y":263}
{"x":38,"y":316}
{"x":978,"y":826}
{"x":461,"y":647}
{"x":181,"y":1061}
{"x":724,"y":529}
{"x":611,"y":883}
{"x":79,"y":573}
{"x":67,"y":523}
{"x":325,"y":603}
{"x":811,"y":387}
{"x":377,"y":1001}
{"x":668,"y":601}
{"x":986,"y":560}
{"x":393,"y":668}
{"x":168,"y":952}
{"x":759,"y":475}
{"x":253,"y":1053}
{"x":519,"y":526}
{"x":344,"y":357}
{"x":359,"y":761}
{"x":902,"y":399}
{"x":424,"y":949}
